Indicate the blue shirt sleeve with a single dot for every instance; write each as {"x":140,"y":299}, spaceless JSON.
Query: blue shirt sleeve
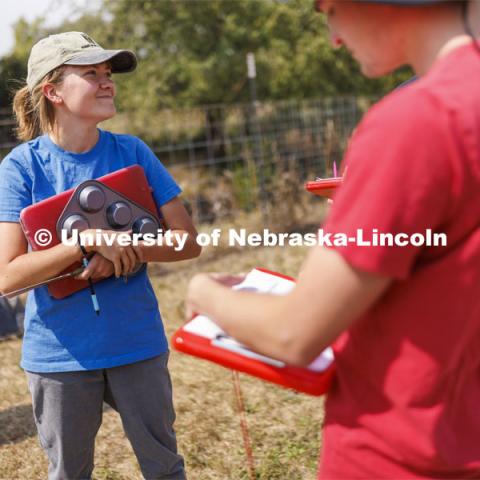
{"x":15,"y":187}
{"x":164,"y":186}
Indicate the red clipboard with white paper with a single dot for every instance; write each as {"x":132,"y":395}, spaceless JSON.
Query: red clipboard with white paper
{"x":202,"y":338}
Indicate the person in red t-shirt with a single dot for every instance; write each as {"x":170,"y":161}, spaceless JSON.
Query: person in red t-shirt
{"x":404,"y":320}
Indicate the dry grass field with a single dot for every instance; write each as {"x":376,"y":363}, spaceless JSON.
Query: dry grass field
{"x":284,"y":426}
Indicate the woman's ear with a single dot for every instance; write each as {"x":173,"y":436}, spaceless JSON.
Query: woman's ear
{"x":50,"y":91}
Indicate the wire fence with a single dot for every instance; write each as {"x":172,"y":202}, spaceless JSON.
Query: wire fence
{"x":7,"y":136}
{"x":243,"y":157}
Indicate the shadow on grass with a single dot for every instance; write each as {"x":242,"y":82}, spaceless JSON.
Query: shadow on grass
{"x":16,"y":424}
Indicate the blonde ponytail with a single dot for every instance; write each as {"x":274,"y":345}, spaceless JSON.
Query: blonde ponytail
{"x":33,"y":111}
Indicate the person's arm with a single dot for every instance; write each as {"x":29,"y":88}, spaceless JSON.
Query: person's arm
{"x":178,"y":221}
{"x":329,"y":295}
{"x":20,"y":268}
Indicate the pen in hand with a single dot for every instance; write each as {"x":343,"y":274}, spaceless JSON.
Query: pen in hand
{"x":93,"y":295}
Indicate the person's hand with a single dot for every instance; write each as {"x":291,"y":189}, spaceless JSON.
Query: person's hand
{"x":197,"y":300}
{"x":98,"y":267}
{"x":123,"y":257}
{"x":195,"y":291}
{"x":139,"y":253}
{"x":227,"y":279}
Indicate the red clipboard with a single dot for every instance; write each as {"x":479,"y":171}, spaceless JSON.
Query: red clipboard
{"x":324,"y":187}
{"x":216,"y":347}
{"x":130,"y":181}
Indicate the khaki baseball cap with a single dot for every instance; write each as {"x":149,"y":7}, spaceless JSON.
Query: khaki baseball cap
{"x":73,"y":48}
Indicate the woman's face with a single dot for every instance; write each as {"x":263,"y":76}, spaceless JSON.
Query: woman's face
{"x":88,"y":91}
{"x":370,"y":32}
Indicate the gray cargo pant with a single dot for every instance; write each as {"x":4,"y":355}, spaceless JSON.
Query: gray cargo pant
{"x":67,"y":408}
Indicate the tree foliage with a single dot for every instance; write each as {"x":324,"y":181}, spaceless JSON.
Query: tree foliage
{"x":193,"y":52}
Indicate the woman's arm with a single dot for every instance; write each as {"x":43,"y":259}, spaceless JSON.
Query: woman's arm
{"x":329,"y":295}
{"x":178,"y":221}
{"x":20,"y":268}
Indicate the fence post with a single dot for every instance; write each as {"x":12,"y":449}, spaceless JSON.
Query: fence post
{"x":257,"y":135}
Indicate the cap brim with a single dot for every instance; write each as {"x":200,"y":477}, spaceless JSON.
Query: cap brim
{"x":122,"y":61}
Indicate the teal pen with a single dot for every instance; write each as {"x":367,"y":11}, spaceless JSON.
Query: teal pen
{"x":93,"y":295}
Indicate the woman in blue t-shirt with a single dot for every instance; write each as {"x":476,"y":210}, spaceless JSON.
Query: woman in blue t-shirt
{"x":73,"y":358}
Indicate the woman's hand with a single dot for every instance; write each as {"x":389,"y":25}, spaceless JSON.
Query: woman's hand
{"x":139,"y":253}
{"x":122,"y":257}
{"x":98,"y":267}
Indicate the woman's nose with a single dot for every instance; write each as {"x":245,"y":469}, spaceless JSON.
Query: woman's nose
{"x":106,"y":82}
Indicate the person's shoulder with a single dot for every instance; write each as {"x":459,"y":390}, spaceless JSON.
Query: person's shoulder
{"x":123,"y":139}
{"x":428,"y":101}
{"x":451,"y":83}
{"x":21,"y":156}
{"x":24,"y":149}
{"x":411,"y":107}
{"x":130,"y":144}
{"x":455,"y":69}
